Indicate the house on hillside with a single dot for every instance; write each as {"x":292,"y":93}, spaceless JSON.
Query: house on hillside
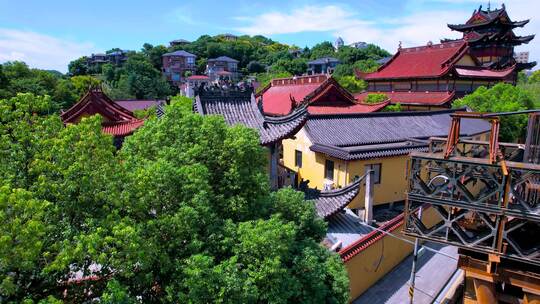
{"x":324,"y":65}
{"x":433,"y":75}
{"x":222,"y":67}
{"x":321,"y":93}
{"x":176,"y":64}
{"x":178,"y":42}
{"x":117,"y":57}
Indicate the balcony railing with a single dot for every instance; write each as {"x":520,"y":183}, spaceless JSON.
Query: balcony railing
{"x":491,"y":207}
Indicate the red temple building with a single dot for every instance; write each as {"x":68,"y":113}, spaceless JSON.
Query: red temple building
{"x":432,"y":76}
{"x":322,"y":93}
{"x":117,"y":120}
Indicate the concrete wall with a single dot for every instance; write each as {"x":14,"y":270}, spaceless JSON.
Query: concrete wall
{"x":393,"y":171}
{"x":379,"y":258}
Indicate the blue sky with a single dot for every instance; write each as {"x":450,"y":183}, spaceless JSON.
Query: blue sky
{"x":48,"y":34}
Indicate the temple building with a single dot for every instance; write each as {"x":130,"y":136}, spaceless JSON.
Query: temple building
{"x":117,"y":120}
{"x":433,"y":75}
{"x":491,"y":38}
{"x":322,"y":94}
{"x":332,"y":150}
{"x":238,"y":106}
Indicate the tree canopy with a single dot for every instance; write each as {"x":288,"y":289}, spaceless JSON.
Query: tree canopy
{"x":502,"y":97}
{"x":181,"y":213}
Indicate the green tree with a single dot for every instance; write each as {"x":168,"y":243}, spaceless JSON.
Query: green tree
{"x":256,"y":67}
{"x":375,"y":98}
{"x":78,"y":66}
{"x":154,"y":53}
{"x":323,"y":49}
{"x":535,"y":77}
{"x":182,"y":213}
{"x":502,"y":97}
{"x":142,"y":80}
{"x":352,"y":84}
{"x":83,"y":83}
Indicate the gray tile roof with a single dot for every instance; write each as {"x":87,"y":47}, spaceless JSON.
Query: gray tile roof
{"x":358,"y":136}
{"x":241,"y":108}
{"x":324,"y":60}
{"x":179,"y":53}
{"x":223,"y":58}
{"x":328,"y":203}
{"x":345,"y":227}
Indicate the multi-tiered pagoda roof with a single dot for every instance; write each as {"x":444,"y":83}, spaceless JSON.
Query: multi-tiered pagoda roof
{"x":486,"y":28}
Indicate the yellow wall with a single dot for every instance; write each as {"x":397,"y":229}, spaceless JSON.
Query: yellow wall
{"x":371,"y":264}
{"x":466,"y":60}
{"x":393,"y":171}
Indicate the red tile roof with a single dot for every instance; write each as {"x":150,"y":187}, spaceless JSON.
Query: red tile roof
{"x":198,"y":77}
{"x":420,"y":62}
{"x":117,"y":120}
{"x":121,"y":128}
{"x":362,"y":244}
{"x":484,"y":72}
{"x":324,"y":95}
{"x":350,"y":109}
{"x":414,"y":98}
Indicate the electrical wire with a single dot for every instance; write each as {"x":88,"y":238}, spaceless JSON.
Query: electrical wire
{"x":408,"y":241}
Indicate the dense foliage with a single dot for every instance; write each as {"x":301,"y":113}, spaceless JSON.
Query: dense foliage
{"x":182,"y":213}
{"x":17,"y":77}
{"x":502,"y":97}
{"x":375,"y":98}
{"x":257,"y":55}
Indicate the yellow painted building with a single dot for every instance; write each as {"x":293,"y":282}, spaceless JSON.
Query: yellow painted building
{"x":330,"y":151}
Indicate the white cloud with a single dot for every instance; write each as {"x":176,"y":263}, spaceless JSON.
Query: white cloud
{"x":412,"y":29}
{"x":306,"y":19}
{"x":40,"y":51}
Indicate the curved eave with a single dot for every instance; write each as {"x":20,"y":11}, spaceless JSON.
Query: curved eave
{"x":332,"y":201}
{"x":446,"y":66}
{"x":325,"y":87}
{"x":276,"y":128}
{"x":109,"y":108}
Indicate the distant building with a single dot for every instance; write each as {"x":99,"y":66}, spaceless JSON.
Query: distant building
{"x":324,"y":65}
{"x":359,"y":45}
{"x":116,"y":57}
{"x":522,"y":57}
{"x":193,"y":82}
{"x":229,"y":37}
{"x":296,"y":52}
{"x":175,"y":65}
{"x":222,"y":67}
{"x":178,"y":42}
{"x":321,"y":93}
{"x":338,"y":43}
{"x":432,"y":76}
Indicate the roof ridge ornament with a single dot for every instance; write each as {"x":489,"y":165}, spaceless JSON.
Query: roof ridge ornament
{"x":399,"y":46}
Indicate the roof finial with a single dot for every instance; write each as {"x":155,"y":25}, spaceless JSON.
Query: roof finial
{"x":399,"y":46}
{"x":489,"y":5}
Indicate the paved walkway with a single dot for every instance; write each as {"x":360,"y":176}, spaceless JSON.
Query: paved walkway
{"x":433,"y":271}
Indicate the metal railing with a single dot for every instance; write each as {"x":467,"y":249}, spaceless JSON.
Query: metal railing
{"x":485,"y":206}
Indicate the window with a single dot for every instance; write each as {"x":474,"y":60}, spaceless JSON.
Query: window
{"x":376,"y":172}
{"x":191,"y":60}
{"x":329,"y":170}
{"x":298,"y":158}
